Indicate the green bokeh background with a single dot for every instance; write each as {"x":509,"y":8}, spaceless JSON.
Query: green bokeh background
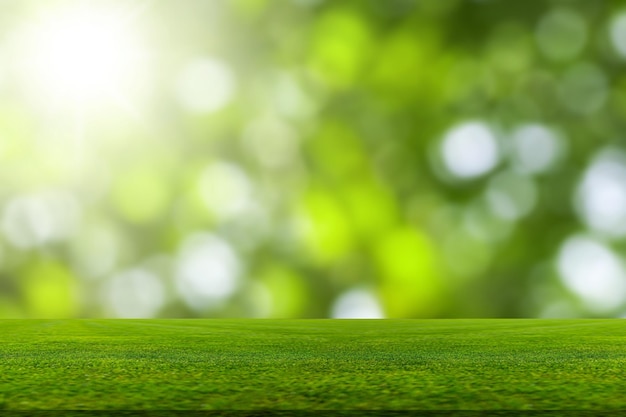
{"x":364,"y":158}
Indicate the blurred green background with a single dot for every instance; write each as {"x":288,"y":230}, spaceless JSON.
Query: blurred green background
{"x":311,"y":158}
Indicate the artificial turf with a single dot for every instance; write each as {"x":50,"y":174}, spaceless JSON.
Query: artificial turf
{"x":312,"y":364}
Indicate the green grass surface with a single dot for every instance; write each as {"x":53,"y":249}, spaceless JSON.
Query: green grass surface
{"x":313,"y":364}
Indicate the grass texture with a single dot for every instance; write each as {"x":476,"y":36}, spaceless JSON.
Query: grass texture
{"x":312,"y":364}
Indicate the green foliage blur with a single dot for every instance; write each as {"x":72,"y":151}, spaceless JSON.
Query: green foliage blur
{"x":313,"y":158}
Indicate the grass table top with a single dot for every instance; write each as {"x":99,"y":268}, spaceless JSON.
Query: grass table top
{"x":312,"y":364}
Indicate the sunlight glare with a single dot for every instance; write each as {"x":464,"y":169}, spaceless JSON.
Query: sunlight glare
{"x":81,"y":55}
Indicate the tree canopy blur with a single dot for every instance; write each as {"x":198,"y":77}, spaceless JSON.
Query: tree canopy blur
{"x":311,"y":158}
